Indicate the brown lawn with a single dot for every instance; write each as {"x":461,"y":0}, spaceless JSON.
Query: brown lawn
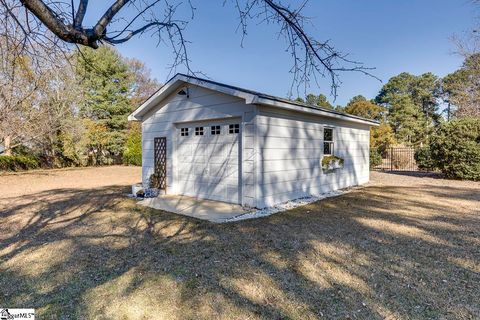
{"x":73,"y":246}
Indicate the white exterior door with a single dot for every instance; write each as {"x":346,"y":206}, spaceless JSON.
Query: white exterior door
{"x":208,"y":161}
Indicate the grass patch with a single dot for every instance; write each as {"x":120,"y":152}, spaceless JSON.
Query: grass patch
{"x":401,"y":248}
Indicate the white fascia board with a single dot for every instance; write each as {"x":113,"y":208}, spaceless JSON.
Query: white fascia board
{"x":289,"y":106}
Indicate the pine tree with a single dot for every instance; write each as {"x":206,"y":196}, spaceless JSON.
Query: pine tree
{"x":319,"y":101}
{"x":407,"y":121}
{"x":106,"y":83}
{"x":412,"y":106}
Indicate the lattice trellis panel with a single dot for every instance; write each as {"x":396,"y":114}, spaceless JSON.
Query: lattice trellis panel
{"x":160,"y":151}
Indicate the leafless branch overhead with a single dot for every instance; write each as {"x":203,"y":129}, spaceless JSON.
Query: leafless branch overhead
{"x":311,"y":58}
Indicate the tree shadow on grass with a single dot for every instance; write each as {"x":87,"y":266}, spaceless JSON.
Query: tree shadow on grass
{"x":372,"y":253}
{"x":446,"y":192}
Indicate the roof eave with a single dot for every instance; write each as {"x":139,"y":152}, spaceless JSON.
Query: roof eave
{"x":305,"y":109}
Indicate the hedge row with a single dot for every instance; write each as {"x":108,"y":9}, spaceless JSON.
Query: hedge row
{"x":455,"y":150}
{"x":16,"y":163}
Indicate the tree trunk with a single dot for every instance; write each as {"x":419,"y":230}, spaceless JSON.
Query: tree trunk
{"x":7,"y":142}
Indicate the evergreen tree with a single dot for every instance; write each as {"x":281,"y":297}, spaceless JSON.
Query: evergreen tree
{"x":318,"y":101}
{"x":412,"y":106}
{"x":106,"y":83}
{"x":356,"y":99}
{"x":407,"y":121}
{"x":323,"y":102}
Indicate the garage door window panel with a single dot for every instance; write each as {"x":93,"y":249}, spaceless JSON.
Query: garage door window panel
{"x":215,"y":130}
{"x":199,"y":131}
{"x":233,"y":128}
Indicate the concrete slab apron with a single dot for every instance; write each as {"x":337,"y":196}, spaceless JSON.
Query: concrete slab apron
{"x":214,"y":211}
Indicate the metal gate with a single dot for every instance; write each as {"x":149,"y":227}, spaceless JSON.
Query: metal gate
{"x":399,"y":159}
{"x":160,"y":162}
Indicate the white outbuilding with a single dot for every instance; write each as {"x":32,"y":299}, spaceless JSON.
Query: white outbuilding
{"x":210,"y":140}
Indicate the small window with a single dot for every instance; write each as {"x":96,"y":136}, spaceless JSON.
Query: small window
{"x":199,"y":131}
{"x":215,"y":130}
{"x":233,"y":128}
{"x":328,"y":141}
{"x":184,"y":132}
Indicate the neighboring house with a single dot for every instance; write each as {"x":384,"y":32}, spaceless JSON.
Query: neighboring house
{"x":215,"y":141}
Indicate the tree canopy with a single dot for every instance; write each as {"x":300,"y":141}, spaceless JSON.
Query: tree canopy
{"x":412,"y":104}
{"x":319,"y":101}
{"x":462,"y":88}
{"x":362,"y":107}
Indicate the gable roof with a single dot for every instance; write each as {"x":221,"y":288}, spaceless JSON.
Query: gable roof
{"x":250,"y":97}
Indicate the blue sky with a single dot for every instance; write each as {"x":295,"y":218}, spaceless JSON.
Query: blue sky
{"x":391,"y":35}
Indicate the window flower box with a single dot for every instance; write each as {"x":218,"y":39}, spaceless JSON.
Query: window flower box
{"x":332,"y":163}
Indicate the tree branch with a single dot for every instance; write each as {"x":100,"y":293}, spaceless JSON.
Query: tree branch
{"x":82,"y":9}
{"x":311,"y":58}
{"x":107,"y":17}
{"x":50,"y":19}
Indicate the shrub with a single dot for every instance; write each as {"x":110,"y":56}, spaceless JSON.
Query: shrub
{"x":132,"y":153}
{"x":68,"y":152}
{"x":16,"y":163}
{"x":456,"y":148}
{"x":375,"y":157}
{"x":424,"y":158}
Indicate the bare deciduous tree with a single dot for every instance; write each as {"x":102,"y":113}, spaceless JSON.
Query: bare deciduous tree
{"x":311,"y":58}
{"x":35,"y":88}
{"x":461,"y":89}
{"x":143,"y":85}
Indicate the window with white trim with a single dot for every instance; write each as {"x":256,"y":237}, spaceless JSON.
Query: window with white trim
{"x":199,"y":131}
{"x":184,"y":132}
{"x":328,"y":144}
{"x":215,"y":130}
{"x":233,"y":128}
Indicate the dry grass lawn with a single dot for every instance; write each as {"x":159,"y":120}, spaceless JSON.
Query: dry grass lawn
{"x":73,"y":246}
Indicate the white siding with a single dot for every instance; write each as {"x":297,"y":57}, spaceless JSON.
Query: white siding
{"x":201,"y":105}
{"x":248,"y":158}
{"x":279,"y":151}
{"x":290,"y":149}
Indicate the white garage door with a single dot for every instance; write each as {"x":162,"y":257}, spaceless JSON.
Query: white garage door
{"x":208,"y":161}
